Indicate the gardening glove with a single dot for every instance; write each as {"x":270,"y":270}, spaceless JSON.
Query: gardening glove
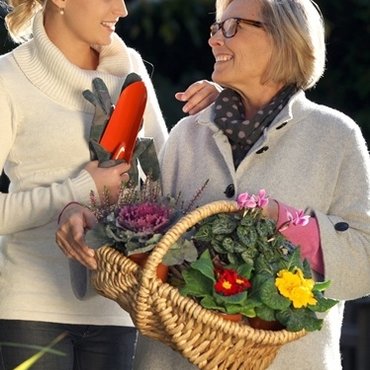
{"x":101,"y":99}
{"x":145,"y":156}
{"x":104,"y":108}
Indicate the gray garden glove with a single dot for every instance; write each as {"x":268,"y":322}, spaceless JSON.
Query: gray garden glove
{"x":104,"y":107}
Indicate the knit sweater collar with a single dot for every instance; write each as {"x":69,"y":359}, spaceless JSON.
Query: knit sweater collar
{"x":49,"y":70}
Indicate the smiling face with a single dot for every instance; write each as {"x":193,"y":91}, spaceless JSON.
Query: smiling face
{"x":92,"y":21}
{"x":83,"y":22}
{"x":242,"y":59}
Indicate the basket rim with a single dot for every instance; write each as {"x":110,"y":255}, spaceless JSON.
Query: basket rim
{"x":149,"y":284}
{"x":181,"y":226}
{"x":196,"y":311}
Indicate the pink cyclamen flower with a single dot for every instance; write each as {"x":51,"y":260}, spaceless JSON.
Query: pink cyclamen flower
{"x":299,"y":219}
{"x":245,"y":200}
{"x":262,"y":199}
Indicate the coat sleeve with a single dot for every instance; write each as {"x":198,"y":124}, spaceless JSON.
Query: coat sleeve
{"x":345,"y":229}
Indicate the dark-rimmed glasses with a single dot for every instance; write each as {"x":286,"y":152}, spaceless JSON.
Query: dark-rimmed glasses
{"x":229,"y":26}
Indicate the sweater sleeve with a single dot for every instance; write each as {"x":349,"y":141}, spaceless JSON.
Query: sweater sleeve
{"x":38,"y":206}
{"x":306,"y":237}
{"x":33,"y":207}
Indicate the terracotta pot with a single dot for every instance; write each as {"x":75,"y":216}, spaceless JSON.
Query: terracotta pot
{"x":257,"y":323}
{"x":141,"y":258}
{"x":236,"y":317}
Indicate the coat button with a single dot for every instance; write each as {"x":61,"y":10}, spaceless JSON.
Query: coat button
{"x":281,"y":126}
{"x":230,"y":191}
{"x":263,"y":149}
{"x":341,"y":226}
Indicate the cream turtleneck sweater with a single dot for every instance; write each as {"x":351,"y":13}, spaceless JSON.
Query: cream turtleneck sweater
{"x":44,"y":126}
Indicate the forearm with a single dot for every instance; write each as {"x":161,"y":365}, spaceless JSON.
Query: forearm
{"x":35,"y":207}
{"x":307,"y":237}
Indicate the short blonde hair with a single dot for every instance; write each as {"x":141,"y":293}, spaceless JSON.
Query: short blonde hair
{"x":297,"y":30}
{"x":19,"y":19}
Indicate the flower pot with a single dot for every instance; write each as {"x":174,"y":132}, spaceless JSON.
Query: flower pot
{"x":236,"y":317}
{"x":141,"y":258}
{"x":257,"y":323}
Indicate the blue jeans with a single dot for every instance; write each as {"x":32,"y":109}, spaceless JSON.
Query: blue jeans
{"x":85,"y":347}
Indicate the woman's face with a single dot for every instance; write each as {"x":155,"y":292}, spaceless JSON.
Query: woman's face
{"x":242,"y":59}
{"x":91,"y":21}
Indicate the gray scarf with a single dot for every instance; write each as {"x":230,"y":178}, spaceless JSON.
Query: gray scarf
{"x":243,"y":133}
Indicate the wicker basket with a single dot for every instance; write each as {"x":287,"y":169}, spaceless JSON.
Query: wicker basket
{"x":160,"y":312}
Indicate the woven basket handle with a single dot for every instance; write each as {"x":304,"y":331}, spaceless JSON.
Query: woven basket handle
{"x":174,"y":233}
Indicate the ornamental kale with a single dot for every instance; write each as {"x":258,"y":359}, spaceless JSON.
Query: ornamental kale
{"x":138,"y":220}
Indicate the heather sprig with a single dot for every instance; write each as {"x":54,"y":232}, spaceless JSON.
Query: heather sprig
{"x":140,"y":217}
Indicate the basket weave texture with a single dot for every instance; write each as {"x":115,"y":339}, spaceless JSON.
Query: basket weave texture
{"x":160,"y":312}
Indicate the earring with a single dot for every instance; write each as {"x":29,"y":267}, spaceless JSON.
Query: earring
{"x":61,"y":11}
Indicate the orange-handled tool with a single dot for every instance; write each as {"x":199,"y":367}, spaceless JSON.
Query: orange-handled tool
{"x":121,"y":131}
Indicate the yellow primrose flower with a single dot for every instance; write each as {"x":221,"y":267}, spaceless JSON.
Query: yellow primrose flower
{"x":295,"y":287}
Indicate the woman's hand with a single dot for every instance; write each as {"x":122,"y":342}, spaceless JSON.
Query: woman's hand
{"x":198,"y":96}
{"x":70,"y":237}
{"x":271,"y":211}
{"x":109,"y":178}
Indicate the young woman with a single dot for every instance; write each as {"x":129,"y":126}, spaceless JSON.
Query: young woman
{"x":44,"y":124}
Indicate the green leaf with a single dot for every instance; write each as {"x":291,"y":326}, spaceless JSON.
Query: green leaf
{"x":218,"y":247}
{"x":263,"y":229}
{"x":323,"y":304}
{"x":204,"y":233}
{"x":224,"y":225}
{"x":322,"y":285}
{"x":271,"y":297}
{"x":182,"y":250}
{"x":173,"y":257}
{"x":244,"y":270}
{"x":209,"y":303}
{"x":236,"y":299}
{"x":298,"y":319}
{"x":296,"y":261}
{"x":233,"y":259}
{"x":247,"y":220}
{"x":265,"y":313}
{"x":240,"y":248}
{"x":248,"y":260}
{"x":247,"y":236}
{"x":228,"y":244}
{"x":205,"y":265}
{"x":196,"y":284}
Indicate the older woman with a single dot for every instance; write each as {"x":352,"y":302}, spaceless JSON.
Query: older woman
{"x":262,"y":132}
{"x":45,"y":123}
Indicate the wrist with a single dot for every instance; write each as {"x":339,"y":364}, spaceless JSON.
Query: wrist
{"x":65,"y":207}
{"x":271,"y":211}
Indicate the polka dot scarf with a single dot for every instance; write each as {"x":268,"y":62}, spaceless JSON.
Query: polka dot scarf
{"x":243,"y":133}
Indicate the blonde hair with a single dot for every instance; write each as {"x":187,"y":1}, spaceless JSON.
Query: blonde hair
{"x":297,"y":31}
{"x":19,"y":19}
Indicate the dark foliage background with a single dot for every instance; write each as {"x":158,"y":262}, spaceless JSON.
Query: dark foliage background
{"x":173,"y":35}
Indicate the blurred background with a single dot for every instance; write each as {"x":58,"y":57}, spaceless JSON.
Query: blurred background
{"x":172,"y":36}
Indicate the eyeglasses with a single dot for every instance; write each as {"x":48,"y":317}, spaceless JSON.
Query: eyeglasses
{"x":229,"y":26}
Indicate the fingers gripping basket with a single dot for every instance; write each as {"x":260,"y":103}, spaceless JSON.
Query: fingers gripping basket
{"x":160,"y":312}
